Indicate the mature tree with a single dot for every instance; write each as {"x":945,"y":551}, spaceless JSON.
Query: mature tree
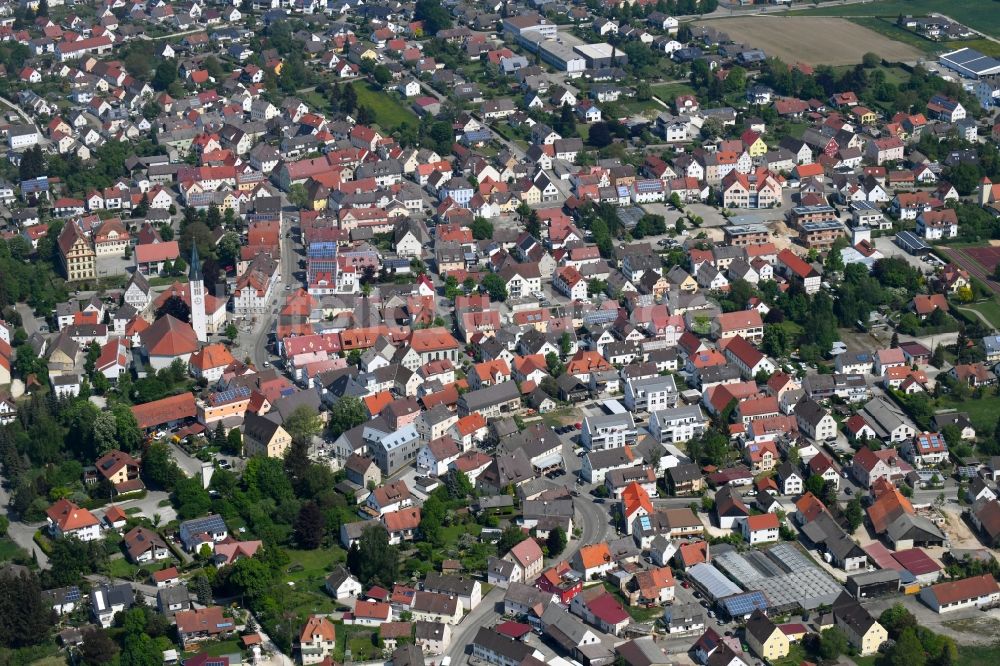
{"x":98,"y":649}
{"x":815,"y":485}
{"x":495,"y":287}
{"x":565,"y":344}
{"x":105,"y":432}
{"x":229,"y":249}
{"x":896,"y":620}
{"x":871,"y":60}
{"x":309,"y":526}
{"x":372,"y":559}
{"x":202,"y":590}
{"x":25,"y":618}
{"x":70,"y":559}
{"x":158,"y":466}
{"x":191,"y":498}
{"x":482,"y":229}
{"x":434,"y":16}
{"x":554,"y":365}
{"x":32,"y":163}
{"x":907,"y":650}
{"x":854,"y":513}
{"x":937,"y":358}
{"x":556,"y":542}
{"x":140,"y":649}
{"x":126,"y":428}
{"x":510,"y":537}
{"x":251,"y":576}
{"x":776,"y":342}
{"x":175,"y":307}
{"x":346,"y":413}
{"x":833,"y":643}
{"x":599,"y":135}
{"x":234,"y":442}
{"x":165,"y":75}
{"x":303,"y":423}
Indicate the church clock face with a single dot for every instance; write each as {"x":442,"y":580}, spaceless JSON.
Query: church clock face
{"x":197,"y":300}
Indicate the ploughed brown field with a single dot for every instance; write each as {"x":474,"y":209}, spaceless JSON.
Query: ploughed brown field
{"x":813,"y":40}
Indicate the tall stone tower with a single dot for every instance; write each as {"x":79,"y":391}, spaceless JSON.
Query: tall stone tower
{"x":196,"y":290}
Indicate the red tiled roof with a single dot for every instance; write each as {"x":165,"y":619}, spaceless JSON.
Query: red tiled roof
{"x":169,"y":336}
{"x":165,"y":410}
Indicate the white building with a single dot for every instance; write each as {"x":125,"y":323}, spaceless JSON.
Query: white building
{"x":680,"y":424}
{"x":608,"y":431}
{"x":650,"y":393}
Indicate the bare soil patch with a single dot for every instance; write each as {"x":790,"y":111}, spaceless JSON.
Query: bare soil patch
{"x":813,"y":40}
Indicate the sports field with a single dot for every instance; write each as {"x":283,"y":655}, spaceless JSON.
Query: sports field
{"x":813,"y":40}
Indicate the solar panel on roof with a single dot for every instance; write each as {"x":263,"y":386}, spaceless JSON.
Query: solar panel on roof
{"x":72,"y":594}
{"x":746,"y":603}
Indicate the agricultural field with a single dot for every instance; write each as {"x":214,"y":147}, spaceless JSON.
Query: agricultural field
{"x":814,"y":40}
{"x":980,"y":261}
{"x":979,"y":15}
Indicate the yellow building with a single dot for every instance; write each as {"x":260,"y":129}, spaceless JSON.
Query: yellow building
{"x":757,"y":148}
{"x":223,"y":405}
{"x":264,"y":436}
{"x":76,"y":253}
{"x":862,"y":630}
{"x":765,"y":639}
{"x":753,"y":143}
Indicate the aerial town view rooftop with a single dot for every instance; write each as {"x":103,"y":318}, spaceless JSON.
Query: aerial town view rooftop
{"x":512,"y":333}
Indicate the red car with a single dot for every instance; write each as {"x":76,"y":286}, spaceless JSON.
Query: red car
{"x":579,"y":426}
{"x":685,"y":584}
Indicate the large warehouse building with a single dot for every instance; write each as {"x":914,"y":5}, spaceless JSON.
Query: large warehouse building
{"x":602,"y":55}
{"x":786,"y":576}
{"x":970,"y":63}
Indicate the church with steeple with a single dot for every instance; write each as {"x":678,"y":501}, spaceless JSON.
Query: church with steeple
{"x":196,"y":290}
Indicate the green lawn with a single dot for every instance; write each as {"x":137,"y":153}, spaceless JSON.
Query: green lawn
{"x":895,"y":75}
{"x":794,"y":130}
{"x":389,"y":112}
{"x":989,"y":309}
{"x":796,"y":655}
{"x":870,"y":660}
{"x":977,"y":14}
{"x":362,"y":648}
{"x":10,"y":550}
{"x":641,"y":107}
{"x":976,"y":655}
{"x":307,"y":564}
{"x":122,"y":568}
{"x":359,"y":640}
{"x":983,"y":411}
{"x":217,"y":648}
{"x":316,"y":101}
{"x":304,"y":578}
{"x":668,"y":91}
{"x":888,"y":28}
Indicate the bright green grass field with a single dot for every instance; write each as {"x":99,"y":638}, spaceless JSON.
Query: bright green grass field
{"x":389,"y":112}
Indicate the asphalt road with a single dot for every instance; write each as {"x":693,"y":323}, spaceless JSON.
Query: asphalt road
{"x":253,"y":343}
{"x":22,"y":533}
{"x":485,"y":614}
